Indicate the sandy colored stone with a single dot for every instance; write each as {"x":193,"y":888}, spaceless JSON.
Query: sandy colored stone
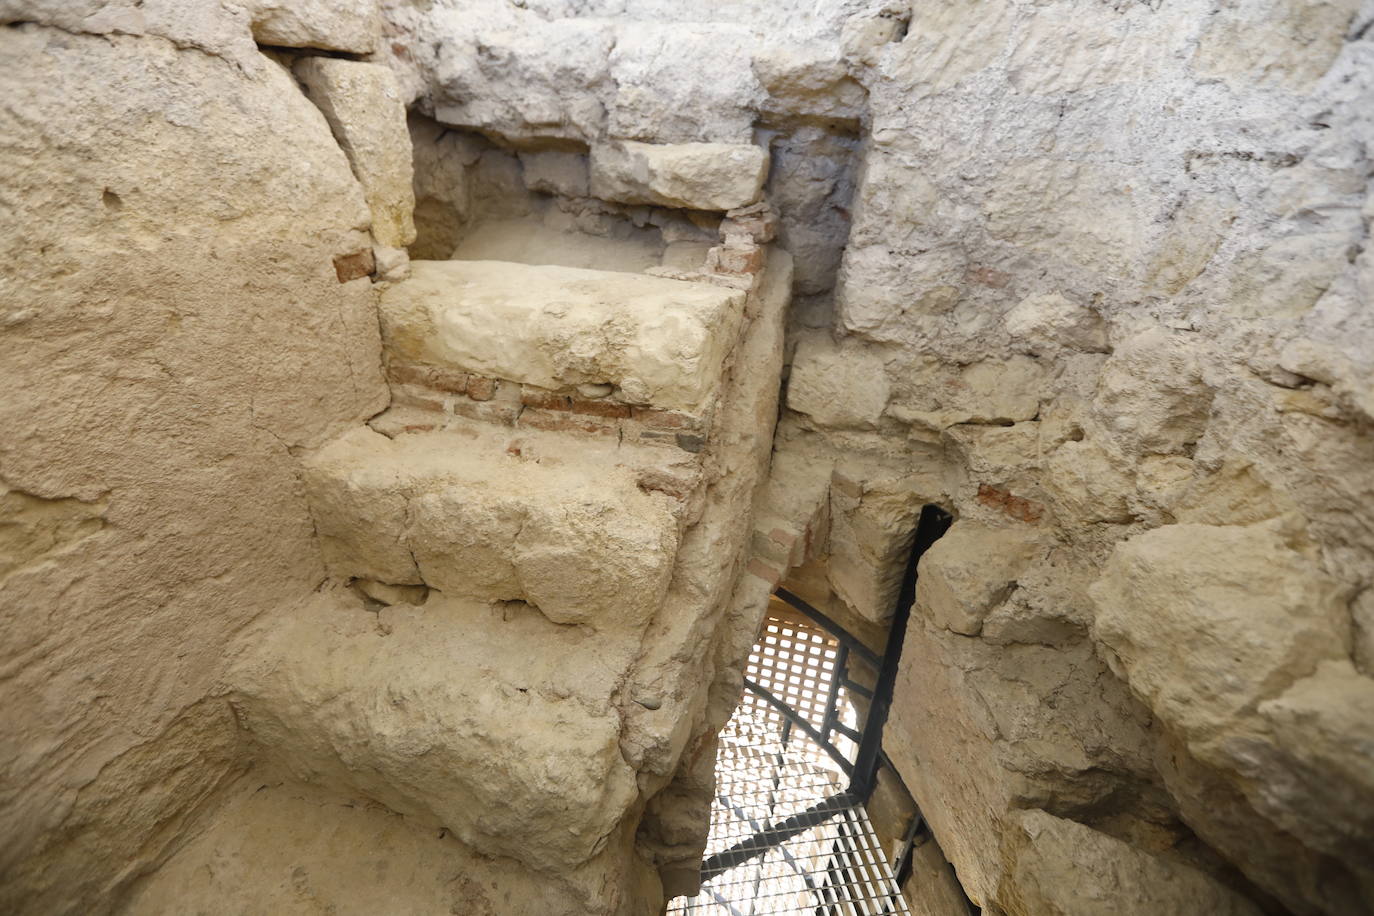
{"x":352,"y":26}
{"x":1069,"y":869}
{"x":408,"y":706}
{"x":579,"y":540}
{"x":1151,"y":393}
{"x":165,"y":347}
{"x":363,"y":106}
{"x":1051,"y":319}
{"x":837,"y":384}
{"x":969,"y":571}
{"x":561,"y":327}
{"x":697,"y":176}
{"x":1206,"y":622}
{"x":283,"y":847}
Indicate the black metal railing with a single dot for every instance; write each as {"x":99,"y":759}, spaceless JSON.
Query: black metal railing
{"x":863,"y":769}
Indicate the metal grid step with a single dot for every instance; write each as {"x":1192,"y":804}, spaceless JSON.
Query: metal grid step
{"x":786,"y":836}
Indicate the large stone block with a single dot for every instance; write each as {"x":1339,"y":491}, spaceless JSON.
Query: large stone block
{"x":458,"y":715}
{"x":969,"y":571}
{"x":838,"y":385}
{"x":695,"y":176}
{"x":1206,"y":621}
{"x":578,"y":539}
{"x":364,"y":108}
{"x":661,"y":342}
{"x":352,"y":26}
{"x":1069,"y":869}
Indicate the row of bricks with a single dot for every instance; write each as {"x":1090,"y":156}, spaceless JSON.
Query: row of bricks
{"x":510,"y":412}
{"x":481,"y":388}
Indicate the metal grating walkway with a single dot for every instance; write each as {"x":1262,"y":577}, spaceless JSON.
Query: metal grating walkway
{"x":786,"y":835}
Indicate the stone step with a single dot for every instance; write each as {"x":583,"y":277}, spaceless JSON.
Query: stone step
{"x":489,"y":722}
{"x":585,"y":532}
{"x":621,"y":340}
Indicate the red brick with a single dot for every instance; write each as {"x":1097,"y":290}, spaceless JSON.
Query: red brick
{"x":599,"y":407}
{"x":1016,"y":507}
{"x":448,"y":380}
{"x":561,"y":421}
{"x":481,"y":388}
{"x":404,"y":396}
{"x":544,"y":400}
{"x":353,"y":266}
{"x":764,"y":571}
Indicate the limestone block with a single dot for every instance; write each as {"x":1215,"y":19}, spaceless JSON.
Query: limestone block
{"x":460,"y":512}
{"x":1066,"y":868}
{"x":359,"y":508}
{"x":560,"y":327}
{"x":695,"y":176}
{"x":682,"y":79}
{"x":1052,"y":320}
{"x":809,"y":79}
{"x":842,"y":385}
{"x":1206,"y":621}
{"x":1285,"y":43}
{"x":364,"y":108}
{"x":970,"y":571}
{"x":461,"y":716}
{"x":872,"y":516}
{"x":353,"y":26}
{"x":1086,"y":484}
{"x":1151,"y":394}
{"x":936,"y":395}
{"x":1323,"y":744}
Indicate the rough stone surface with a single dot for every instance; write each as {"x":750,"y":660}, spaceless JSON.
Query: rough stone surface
{"x":362,"y":104}
{"x":1067,"y":869}
{"x":579,"y":540}
{"x":1094,"y":277}
{"x":837,"y":385}
{"x":352,"y":26}
{"x":170,"y":332}
{"x":407,"y":706}
{"x":698,"y":176}
{"x":663,"y":340}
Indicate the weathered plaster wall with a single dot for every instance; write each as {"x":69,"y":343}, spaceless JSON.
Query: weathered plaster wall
{"x":171,"y":328}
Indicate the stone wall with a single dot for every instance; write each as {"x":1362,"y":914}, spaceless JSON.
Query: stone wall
{"x":173,"y":329}
{"x":1108,"y":284}
{"x":1094,"y":277}
{"x":1103,"y":294}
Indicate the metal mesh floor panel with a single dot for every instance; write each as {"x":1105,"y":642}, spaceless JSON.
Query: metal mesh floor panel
{"x":766,"y":773}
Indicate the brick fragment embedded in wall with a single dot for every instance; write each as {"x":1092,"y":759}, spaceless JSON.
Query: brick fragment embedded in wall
{"x":354,"y":266}
{"x":481,"y":388}
{"x":450,"y":381}
{"x":732,"y":258}
{"x":758,"y":221}
{"x":566,"y":421}
{"x":987,"y":276}
{"x":600,"y":407}
{"x":1017,"y":507}
{"x":764,"y":571}
{"x":544,"y":400}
